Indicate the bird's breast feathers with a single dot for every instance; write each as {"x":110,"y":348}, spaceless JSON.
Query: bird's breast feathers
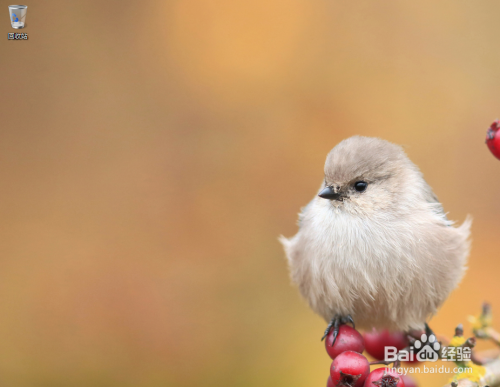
{"x":348,"y":263}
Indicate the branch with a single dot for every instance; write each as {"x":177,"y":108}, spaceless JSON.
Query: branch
{"x":491,"y":378}
{"x":486,"y":364}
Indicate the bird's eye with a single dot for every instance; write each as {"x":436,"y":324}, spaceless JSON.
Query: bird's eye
{"x":360,"y":186}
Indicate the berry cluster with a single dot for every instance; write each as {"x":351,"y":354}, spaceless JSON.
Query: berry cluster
{"x":351,"y":369}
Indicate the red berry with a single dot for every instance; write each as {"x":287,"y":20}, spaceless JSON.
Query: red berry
{"x":375,"y":342}
{"x":408,"y":380}
{"x":348,"y":339}
{"x":329,"y":383}
{"x":493,"y":138}
{"x":384,"y":377}
{"x":349,"y":369}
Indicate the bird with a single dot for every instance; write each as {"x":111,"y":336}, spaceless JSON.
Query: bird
{"x":374,"y":246}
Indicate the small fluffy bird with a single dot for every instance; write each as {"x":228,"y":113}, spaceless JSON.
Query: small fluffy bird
{"x":374,"y":245}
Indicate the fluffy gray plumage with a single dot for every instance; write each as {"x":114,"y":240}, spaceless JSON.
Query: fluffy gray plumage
{"x":387,"y":256}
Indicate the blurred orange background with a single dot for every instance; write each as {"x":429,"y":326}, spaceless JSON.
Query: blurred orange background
{"x":152,"y":153}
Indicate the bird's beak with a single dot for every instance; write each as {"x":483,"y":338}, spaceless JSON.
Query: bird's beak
{"x":328,"y":193}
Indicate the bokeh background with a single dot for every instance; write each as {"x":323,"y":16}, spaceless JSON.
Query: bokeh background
{"x":152,"y":152}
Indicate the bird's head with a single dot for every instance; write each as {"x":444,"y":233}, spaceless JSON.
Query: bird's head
{"x":363,"y":174}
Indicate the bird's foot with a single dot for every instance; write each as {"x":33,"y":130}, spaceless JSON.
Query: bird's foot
{"x":416,"y":334}
{"x":420,"y":339}
{"x":335,"y":323}
{"x":428,"y":331}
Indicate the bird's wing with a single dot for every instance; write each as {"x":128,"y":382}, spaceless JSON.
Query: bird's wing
{"x":431,"y":197}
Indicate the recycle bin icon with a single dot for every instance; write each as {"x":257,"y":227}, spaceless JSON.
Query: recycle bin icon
{"x":18,"y":15}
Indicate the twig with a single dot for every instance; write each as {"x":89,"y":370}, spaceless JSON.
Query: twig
{"x":487,"y":362}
